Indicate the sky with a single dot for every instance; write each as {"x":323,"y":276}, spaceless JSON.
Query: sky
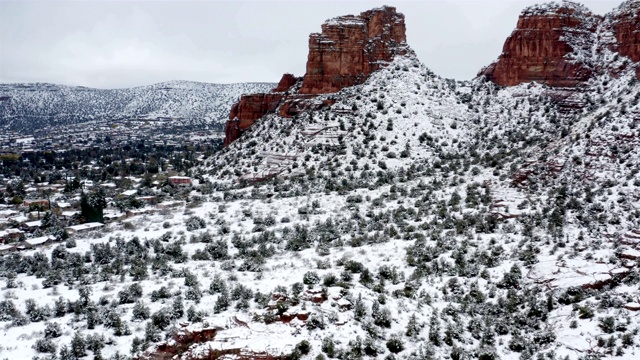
{"x":116,"y":44}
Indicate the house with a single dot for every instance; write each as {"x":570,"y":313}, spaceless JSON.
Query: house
{"x":32,"y":225}
{"x":179,"y":180}
{"x":129,"y":192}
{"x":34,"y":242}
{"x":10,"y":234}
{"x":69,"y":214}
{"x":111,"y":216}
{"x":138,"y":212}
{"x":148,"y":199}
{"x":41,"y":202}
{"x":7,"y":248}
{"x":19,"y":219}
{"x":64,"y":205}
{"x":83,"y":227}
{"x":7,"y":213}
{"x":169,"y":204}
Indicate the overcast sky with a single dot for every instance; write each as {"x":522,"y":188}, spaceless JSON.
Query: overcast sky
{"x":130,"y":43}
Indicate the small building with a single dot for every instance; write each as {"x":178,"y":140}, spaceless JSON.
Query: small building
{"x":169,"y":204}
{"x":7,"y":248}
{"x":7,"y":213}
{"x":129,"y":192}
{"x":10,"y":234}
{"x":32,"y":225}
{"x":179,"y":180}
{"x":75,"y":229}
{"x":19,"y":219}
{"x":42,"y":202}
{"x":64,"y":205}
{"x":112,"y":216}
{"x":150,"y":199}
{"x":138,"y":212}
{"x":42,"y":240}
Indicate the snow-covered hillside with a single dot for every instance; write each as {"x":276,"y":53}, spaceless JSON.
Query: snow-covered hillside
{"x":25,"y":107}
{"x":415,"y":218}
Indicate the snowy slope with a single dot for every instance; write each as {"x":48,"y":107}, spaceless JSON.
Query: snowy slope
{"x":30,"y":106}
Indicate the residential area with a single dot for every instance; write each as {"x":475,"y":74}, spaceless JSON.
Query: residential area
{"x":49,"y":196}
{"x":161,"y":131}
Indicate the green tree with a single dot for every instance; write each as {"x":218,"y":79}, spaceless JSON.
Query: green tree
{"x":92,"y":205}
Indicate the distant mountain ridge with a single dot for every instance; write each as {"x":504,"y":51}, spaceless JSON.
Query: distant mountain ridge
{"x":26,"y":107}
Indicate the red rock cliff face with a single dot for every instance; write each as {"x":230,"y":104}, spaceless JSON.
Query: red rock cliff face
{"x":536,"y":51}
{"x":247,"y":111}
{"x":347,"y":51}
{"x":626,"y":27}
{"x":351,"y":47}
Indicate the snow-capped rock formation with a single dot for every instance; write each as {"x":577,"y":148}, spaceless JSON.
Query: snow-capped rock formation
{"x":562,"y":45}
{"x":347,"y":51}
{"x":352,"y":47}
{"x":537,"y":50}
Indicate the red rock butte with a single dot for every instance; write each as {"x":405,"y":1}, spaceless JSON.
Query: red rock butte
{"x":539,"y":49}
{"x":345,"y":53}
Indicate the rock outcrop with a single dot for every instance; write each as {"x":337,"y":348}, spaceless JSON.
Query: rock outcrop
{"x":345,"y":53}
{"x":351,"y":47}
{"x":537,"y":49}
{"x":559,"y":44}
{"x":287,"y":81}
{"x":250,"y":108}
{"x":626,"y":28}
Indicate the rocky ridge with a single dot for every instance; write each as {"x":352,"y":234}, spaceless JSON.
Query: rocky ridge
{"x":26,"y":107}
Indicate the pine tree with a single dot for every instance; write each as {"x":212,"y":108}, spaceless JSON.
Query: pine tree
{"x":434,"y":329}
{"x":359,"y":309}
{"x":78,"y":346}
{"x":222,"y":302}
{"x":177,"y":309}
{"x":413,"y":328}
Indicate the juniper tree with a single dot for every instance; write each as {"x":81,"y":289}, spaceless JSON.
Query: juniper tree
{"x":359,"y":309}
{"x":141,"y":311}
{"x":78,"y":346}
{"x":34,"y":312}
{"x":66,"y":354}
{"x":222,"y":302}
{"x":217,"y":284}
{"x":52,"y":330}
{"x":413,"y":328}
{"x":8,"y":310}
{"x":434,"y":329}
{"x":177,"y":308}
{"x":381,"y":315}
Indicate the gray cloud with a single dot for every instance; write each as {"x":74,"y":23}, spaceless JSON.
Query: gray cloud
{"x":130,"y":43}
